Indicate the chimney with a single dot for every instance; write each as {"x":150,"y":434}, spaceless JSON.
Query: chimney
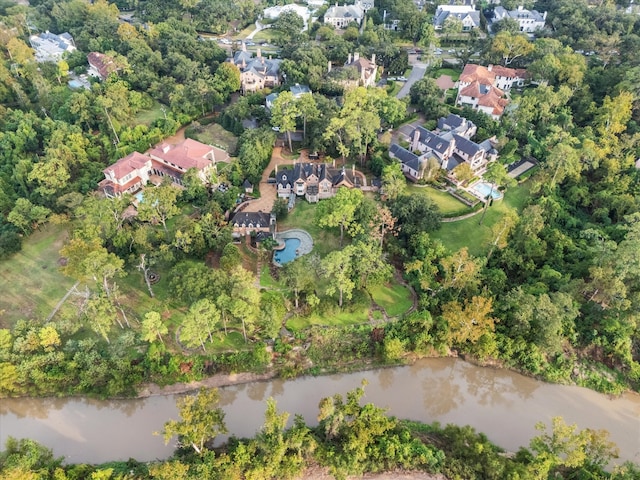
{"x":349,"y":59}
{"x":544,"y":16}
{"x":490,"y":67}
{"x":356,"y":56}
{"x":353,"y":168}
{"x":165,"y":148}
{"x":333,"y":163}
{"x":112,"y":174}
{"x":276,"y":169}
{"x":259,"y":53}
{"x":416,"y":139}
{"x":373,"y":58}
{"x":328,"y":66}
{"x":244,"y":47}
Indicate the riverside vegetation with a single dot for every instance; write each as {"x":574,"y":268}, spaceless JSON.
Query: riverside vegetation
{"x":350,"y":439}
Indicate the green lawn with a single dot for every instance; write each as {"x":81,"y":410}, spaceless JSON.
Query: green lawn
{"x":337,"y":319}
{"x":447,"y":203}
{"x":394,"y":298}
{"x":304,"y":216}
{"x":30,"y":280}
{"x":267,"y":35}
{"x":214,"y":134}
{"x":454,"y":74}
{"x":468,"y":233}
{"x":148,"y":116}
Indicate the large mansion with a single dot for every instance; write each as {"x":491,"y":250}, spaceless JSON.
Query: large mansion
{"x":450,"y":144}
{"x":256,"y":72}
{"x":341,"y":16}
{"x":484,"y":88}
{"x":314,"y":181}
{"x":131,"y":173}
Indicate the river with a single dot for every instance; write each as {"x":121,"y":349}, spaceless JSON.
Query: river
{"x":502,"y":404}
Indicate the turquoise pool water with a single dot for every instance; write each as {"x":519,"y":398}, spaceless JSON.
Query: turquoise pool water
{"x":139,"y":196}
{"x":288,"y":253}
{"x":484,"y":189}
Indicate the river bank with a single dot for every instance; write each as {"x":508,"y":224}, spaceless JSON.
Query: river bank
{"x":502,"y":404}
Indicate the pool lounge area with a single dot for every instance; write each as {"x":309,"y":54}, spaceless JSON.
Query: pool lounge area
{"x":293,"y":244}
{"x":483,"y":189}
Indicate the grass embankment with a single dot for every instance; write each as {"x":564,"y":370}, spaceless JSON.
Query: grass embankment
{"x":395,"y":298}
{"x":214,"y":134}
{"x":149,"y":115}
{"x":448,"y":204}
{"x":454,"y":74}
{"x":30,"y":280}
{"x":468,"y":233}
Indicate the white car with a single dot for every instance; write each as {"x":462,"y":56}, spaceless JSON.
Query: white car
{"x":402,"y":79}
{"x":275,"y":129}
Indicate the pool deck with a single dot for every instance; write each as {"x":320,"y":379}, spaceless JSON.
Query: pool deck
{"x":496,"y":194}
{"x":306,"y":242}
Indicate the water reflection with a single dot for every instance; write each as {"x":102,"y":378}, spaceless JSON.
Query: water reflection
{"x":386,"y":378}
{"x":500,"y":403}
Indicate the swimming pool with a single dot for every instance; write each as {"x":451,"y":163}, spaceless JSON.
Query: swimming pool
{"x":289,"y":253}
{"x":139,"y":196}
{"x":483,"y":190}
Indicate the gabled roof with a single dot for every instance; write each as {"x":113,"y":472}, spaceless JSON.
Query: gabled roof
{"x":466,"y":146}
{"x":123,"y":167}
{"x":103,"y":64}
{"x":437,"y":143}
{"x":254,"y":219}
{"x":406,"y":157}
{"x":188,"y":154}
{"x":487,"y":75}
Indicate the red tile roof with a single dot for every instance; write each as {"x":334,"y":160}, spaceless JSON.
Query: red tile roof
{"x":487,"y":75}
{"x":104,"y":64}
{"x":186,"y":155}
{"x":128,"y":164}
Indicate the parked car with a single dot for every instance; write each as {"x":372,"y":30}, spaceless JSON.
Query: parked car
{"x":402,"y":79}
{"x":391,"y":79}
{"x":275,"y":129}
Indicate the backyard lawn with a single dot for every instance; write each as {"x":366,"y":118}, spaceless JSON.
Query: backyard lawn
{"x":340,"y":318}
{"x":304,"y":216}
{"x":148,"y":116}
{"x":468,"y":233}
{"x":394,"y":298}
{"x":448,"y":204}
{"x":30,"y":280}
{"x":454,"y":74}
{"x":214,"y":134}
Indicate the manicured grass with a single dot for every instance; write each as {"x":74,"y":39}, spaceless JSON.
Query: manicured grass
{"x":267,"y":281}
{"x":448,"y":204}
{"x":394,"y":298}
{"x":342,"y":318}
{"x":468,"y":233}
{"x":325,"y":240}
{"x":454,"y":74}
{"x":267,"y":35}
{"x":31,"y":283}
{"x":148,"y":116}
{"x":214,"y":134}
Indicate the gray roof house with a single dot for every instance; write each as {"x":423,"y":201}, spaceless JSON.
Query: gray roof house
{"x":50,"y":47}
{"x":244,"y":223}
{"x":256,"y":72}
{"x":314,"y":181}
{"x":529,"y":20}
{"x":451,"y":145}
{"x":467,"y":14}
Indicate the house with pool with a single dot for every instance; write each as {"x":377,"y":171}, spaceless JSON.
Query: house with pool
{"x":450,"y":144}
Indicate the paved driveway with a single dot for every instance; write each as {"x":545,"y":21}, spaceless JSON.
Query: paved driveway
{"x":418,"y":71}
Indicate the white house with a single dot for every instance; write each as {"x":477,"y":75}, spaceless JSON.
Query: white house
{"x":50,"y":47}
{"x":483,"y":88}
{"x":467,"y":14}
{"x":528,"y":20}
{"x":341,"y":16}
{"x":273,"y":13}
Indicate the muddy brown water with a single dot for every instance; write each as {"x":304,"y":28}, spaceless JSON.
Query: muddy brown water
{"x":502,"y":404}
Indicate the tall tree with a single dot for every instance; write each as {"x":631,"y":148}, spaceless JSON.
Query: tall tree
{"x":337,"y":268}
{"x":159,"y":204}
{"x":201,"y":420}
{"x":284,"y":113}
{"x":469,"y":322}
{"x":339,"y":211}
{"x":153,"y":327}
